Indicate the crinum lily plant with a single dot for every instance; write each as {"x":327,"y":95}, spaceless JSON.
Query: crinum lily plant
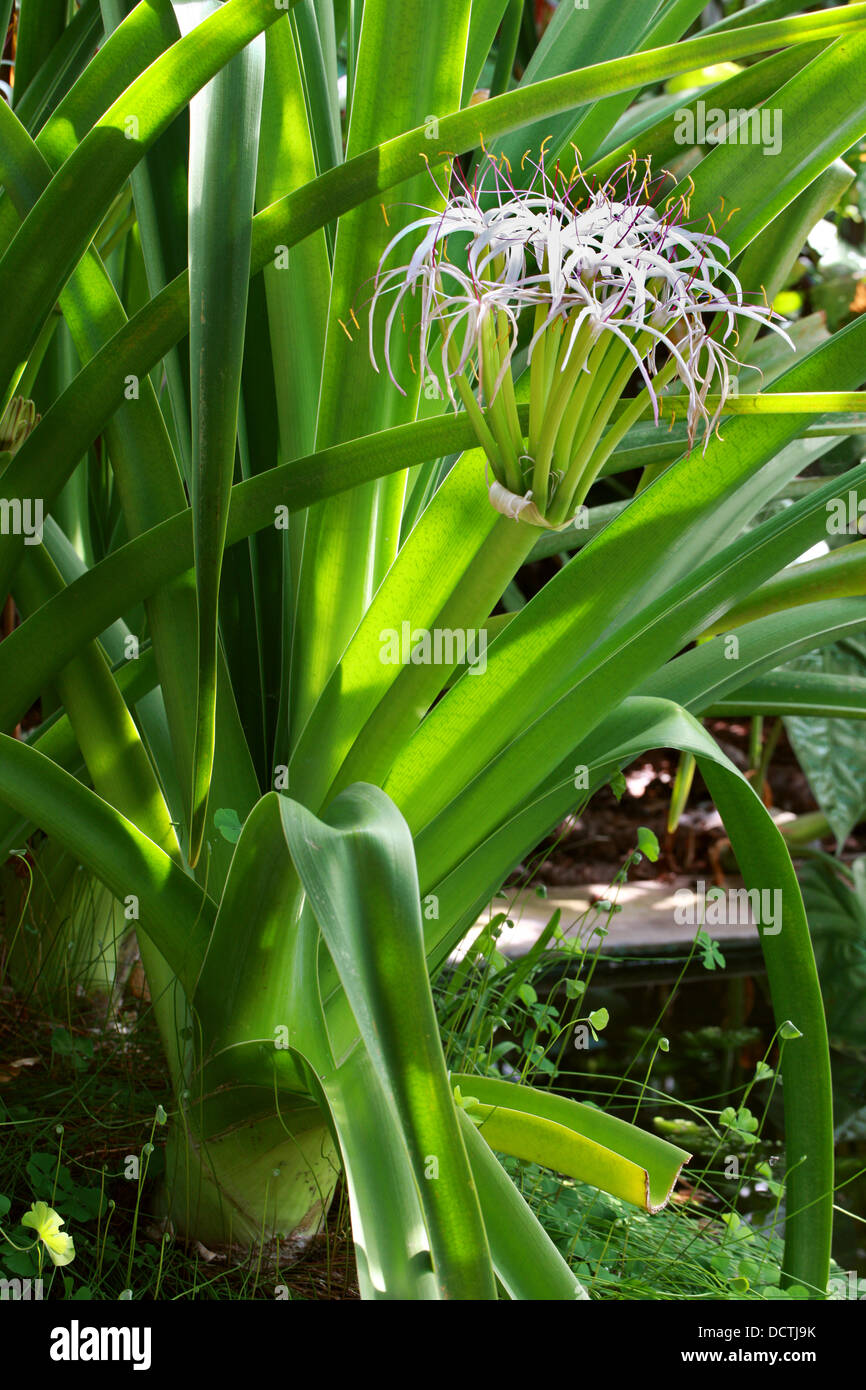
{"x":299,"y":832}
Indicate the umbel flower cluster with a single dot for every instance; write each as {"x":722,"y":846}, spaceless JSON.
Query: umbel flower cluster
{"x":597,"y":287}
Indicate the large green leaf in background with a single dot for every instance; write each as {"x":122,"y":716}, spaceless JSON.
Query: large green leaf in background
{"x":41,"y":26}
{"x":145,"y":472}
{"x":64,"y":224}
{"x":832,"y":752}
{"x":579,"y":36}
{"x":297,"y":287}
{"x":835,"y":899}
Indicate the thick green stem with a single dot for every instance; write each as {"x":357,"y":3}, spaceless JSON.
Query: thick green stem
{"x":417,"y":686}
{"x":602,"y":361}
{"x":507,"y":389}
{"x":268,"y":1176}
{"x":610,"y":369}
{"x":623,"y":421}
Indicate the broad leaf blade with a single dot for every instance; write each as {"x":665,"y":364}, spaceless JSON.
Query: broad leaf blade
{"x":578,"y":1140}
{"x":358,"y":869}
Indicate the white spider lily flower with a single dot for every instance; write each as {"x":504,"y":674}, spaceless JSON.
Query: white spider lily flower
{"x":614,"y":288}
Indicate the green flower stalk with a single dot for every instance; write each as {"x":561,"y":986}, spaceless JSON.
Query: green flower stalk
{"x":601,"y":287}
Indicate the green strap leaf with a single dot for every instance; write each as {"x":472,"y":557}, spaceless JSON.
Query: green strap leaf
{"x":730,"y":182}
{"x":766,"y":866}
{"x":143,"y":566}
{"x":391,"y":1249}
{"x":40,"y":28}
{"x":63,"y":222}
{"x":358,"y":869}
{"x":148,"y":481}
{"x":224,"y":140}
{"x":368,"y":701}
{"x":714,"y":670}
{"x":484,"y":21}
{"x":66,"y":61}
{"x":173,"y":910}
{"x":692,"y":504}
{"x":405,"y":72}
{"x":806,"y":694}
{"x":839,"y":574}
{"x":585,"y":1143}
{"x":526,"y":1261}
{"x":655,"y":136}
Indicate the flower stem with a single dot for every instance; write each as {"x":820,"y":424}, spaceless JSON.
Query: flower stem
{"x":481,"y":583}
{"x":557,"y":404}
{"x":589,"y":459}
{"x":496,"y":410}
{"x":507,"y":390}
{"x":590,"y":389}
{"x":473,"y":410}
{"x":537,"y":380}
{"x":633,"y":412}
